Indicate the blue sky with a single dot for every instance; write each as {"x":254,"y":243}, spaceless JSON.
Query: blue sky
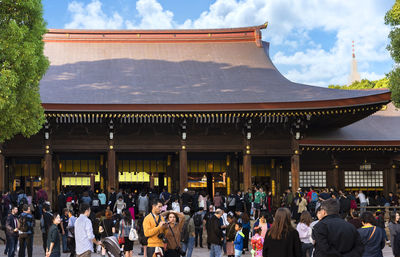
{"x":310,"y":39}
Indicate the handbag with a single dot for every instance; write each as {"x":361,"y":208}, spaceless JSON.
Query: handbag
{"x":121,"y":238}
{"x":133,"y":235}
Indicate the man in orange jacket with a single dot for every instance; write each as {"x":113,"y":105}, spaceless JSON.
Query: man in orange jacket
{"x":154,"y":227}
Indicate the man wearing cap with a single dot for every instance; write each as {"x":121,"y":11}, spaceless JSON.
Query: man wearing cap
{"x":188,"y":246}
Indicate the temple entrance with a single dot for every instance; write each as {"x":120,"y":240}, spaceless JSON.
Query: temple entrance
{"x":142,"y":171}
{"x":80,"y":172}
{"x":25,"y":173}
{"x":207,"y":172}
{"x":261,"y":171}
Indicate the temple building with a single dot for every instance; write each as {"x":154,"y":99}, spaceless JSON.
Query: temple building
{"x":204,"y":109}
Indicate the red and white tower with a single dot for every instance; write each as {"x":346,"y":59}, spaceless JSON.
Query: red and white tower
{"x":354,"y":75}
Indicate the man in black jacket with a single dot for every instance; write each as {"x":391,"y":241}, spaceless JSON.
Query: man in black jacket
{"x":334,"y":236}
{"x":12,"y":231}
{"x":215,"y":236}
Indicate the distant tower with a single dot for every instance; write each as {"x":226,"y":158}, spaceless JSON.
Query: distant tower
{"x":354,"y":75}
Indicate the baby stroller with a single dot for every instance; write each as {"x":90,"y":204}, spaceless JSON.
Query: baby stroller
{"x":112,"y":247}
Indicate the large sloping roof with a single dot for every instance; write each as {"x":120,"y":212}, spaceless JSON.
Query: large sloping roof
{"x":380,"y":128}
{"x":180,"y":67}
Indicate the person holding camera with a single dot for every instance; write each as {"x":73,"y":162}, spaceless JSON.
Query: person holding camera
{"x":175,"y":221}
{"x":154,"y":227}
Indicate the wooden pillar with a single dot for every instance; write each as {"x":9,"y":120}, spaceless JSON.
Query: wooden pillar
{"x":92,"y":181}
{"x":392,"y":178}
{"x":169,"y":173}
{"x":2,"y":171}
{"x":232,"y":173}
{"x":295,"y":168}
{"x":111,"y":168}
{"x":152,"y":180}
{"x":183,"y":168}
{"x":295,"y":165}
{"x":275,"y":183}
{"x":341,"y":179}
{"x":49,"y":186}
{"x":246,"y":171}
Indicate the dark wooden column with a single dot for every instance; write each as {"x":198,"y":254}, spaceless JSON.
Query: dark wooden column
{"x":183,"y":168}
{"x":295,"y":168}
{"x":111,"y":168}
{"x":275,"y":182}
{"x":2,"y":170}
{"x":92,"y":181}
{"x":169,"y":174}
{"x":341,"y":179}
{"x":246,"y":170}
{"x":232,"y":173}
{"x":49,"y":186}
{"x":391,"y":185}
{"x":235,"y":170}
{"x":295,"y":165}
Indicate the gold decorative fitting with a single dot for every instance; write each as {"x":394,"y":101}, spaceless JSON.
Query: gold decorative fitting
{"x":47,"y":147}
{"x":0,"y":151}
{"x":296,"y":151}
{"x":247,"y":147}
{"x":183,"y":147}
{"x":393,"y":166}
{"x":47,"y":151}
{"x":111,"y":147}
{"x":247,"y":151}
{"x":336,"y":166}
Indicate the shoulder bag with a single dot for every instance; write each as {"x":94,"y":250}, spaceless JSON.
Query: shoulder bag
{"x":133,"y":235}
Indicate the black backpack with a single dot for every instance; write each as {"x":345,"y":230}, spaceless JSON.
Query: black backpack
{"x":198,"y":221}
{"x":185,"y":231}
{"x":23,"y":225}
{"x":22,"y":201}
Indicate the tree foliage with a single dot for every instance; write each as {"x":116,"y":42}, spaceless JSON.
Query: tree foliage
{"x":22,"y":65}
{"x":392,"y":18}
{"x":365,"y":84}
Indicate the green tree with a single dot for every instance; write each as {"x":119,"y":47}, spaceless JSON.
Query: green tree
{"x":392,"y":18}
{"x":364,"y":84}
{"x":22,"y":65}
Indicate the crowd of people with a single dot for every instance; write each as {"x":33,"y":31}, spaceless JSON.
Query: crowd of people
{"x":304,"y":223}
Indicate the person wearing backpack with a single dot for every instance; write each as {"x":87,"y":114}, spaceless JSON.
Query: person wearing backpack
{"x":45,"y":222}
{"x":26,"y":224}
{"x":198,"y":227}
{"x":188,"y":233}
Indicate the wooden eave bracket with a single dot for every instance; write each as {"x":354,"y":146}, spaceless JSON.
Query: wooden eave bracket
{"x":257,"y":34}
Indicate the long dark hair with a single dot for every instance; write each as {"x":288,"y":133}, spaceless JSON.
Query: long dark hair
{"x":127,"y":217}
{"x":393,"y":217}
{"x":282,"y":224}
{"x":305,"y":218}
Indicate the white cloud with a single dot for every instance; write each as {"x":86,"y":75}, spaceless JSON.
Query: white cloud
{"x":92,"y":16}
{"x":152,"y":16}
{"x":291,"y":26}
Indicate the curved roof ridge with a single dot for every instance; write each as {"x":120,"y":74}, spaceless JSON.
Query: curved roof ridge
{"x":111,"y":31}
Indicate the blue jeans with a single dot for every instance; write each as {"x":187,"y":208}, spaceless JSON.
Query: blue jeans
{"x":12,"y":245}
{"x":238,"y":253}
{"x":64,"y":242}
{"x":362,"y":207}
{"x":215,"y":250}
{"x":188,"y":247}
{"x":57,"y":254}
